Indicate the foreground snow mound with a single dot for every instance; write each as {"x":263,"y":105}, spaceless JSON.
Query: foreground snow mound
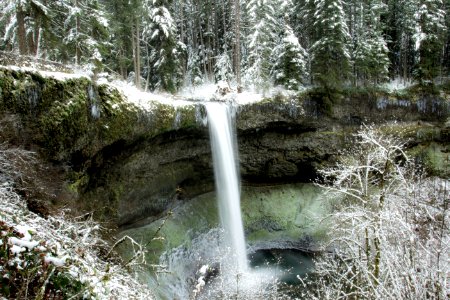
{"x":57,"y":258}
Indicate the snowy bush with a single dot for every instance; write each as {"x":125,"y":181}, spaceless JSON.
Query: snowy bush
{"x":390,"y":238}
{"x":29,"y":268}
{"x":55,"y":257}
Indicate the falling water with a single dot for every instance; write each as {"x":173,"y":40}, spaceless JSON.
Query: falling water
{"x":227,"y":185}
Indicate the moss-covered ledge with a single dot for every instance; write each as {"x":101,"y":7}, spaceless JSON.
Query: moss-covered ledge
{"x":75,"y":118}
{"x":129,"y":163}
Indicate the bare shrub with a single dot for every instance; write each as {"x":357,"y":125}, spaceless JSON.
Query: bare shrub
{"x":390,"y":238}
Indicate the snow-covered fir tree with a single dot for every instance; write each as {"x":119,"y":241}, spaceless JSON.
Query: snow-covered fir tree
{"x":187,"y":22}
{"x":223,"y":68}
{"x":121,"y":12}
{"x":289,"y":58}
{"x":430,"y":38}
{"x":86,"y":30}
{"x":370,"y":55}
{"x":446,"y":58}
{"x":160,"y":32}
{"x":301,"y":19}
{"x":261,"y":41}
{"x":194,"y":74}
{"x":289,"y":68}
{"x":24,"y":24}
{"x":347,"y":41}
{"x":330,"y":53}
{"x":402,"y":26}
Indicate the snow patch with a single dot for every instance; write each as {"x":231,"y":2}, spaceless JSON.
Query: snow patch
{"x":248,"y":97}
{"x":17,"y":249}
{"x":26,"y":231}
{"x":23,"y":243}
{"x":58,"y":262}
{"x":202,"y":92}
{"x":49,"y":74}
{"x":146,"y":100}
{"x":398,"y":84}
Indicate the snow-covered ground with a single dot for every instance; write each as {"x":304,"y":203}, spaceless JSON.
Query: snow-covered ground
{"x":145,"y":100}
{"x":53,"y":74}
{"x":187,"y":95}
{"x":397,"y":84}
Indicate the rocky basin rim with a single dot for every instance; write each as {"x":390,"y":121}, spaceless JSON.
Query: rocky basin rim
{"x":128,"y":162}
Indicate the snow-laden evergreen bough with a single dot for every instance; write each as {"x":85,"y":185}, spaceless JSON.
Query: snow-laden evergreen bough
{"x":54,"y":257}
{"x":390,"y":236}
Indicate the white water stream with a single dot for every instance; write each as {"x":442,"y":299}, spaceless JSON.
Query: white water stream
{"x":227,"y":183}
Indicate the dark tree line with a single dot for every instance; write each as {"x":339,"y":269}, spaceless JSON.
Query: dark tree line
{"x":164,"y":44}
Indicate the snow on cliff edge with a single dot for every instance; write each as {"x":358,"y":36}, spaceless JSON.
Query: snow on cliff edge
{"x":145,"y":100}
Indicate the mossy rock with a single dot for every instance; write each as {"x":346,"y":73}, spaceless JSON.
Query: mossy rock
{"x":60,"y":112}
{"x":434,"y":157}
{"x":285,"y":213}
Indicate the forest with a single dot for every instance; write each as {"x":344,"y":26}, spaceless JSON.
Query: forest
{"x":255,"y":44}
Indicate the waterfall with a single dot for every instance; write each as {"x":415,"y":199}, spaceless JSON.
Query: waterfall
{"x":227,"y":183}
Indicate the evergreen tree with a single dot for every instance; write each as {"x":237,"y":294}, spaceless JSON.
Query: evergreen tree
{"x":121,"y":14}
{"x":371,"y":61}
{"x":194,"y":74}
{"x":302,"y":19}
{"x":261,"y":41}
{"x":289,"y":57}
{"x":223,"y":68}
{"x":237,"y":40}
{"x":166,"y":40}
{"x":429,"y":39}
{"x":289,"y":67}
{"x":401,"y":30}
{"x":187,"y":26}
{"x":160,"y":32}
{"x":446,"y":58}
{"x":24,"y":24}
{"x":86,"y":30}
{"x":330,"y":64}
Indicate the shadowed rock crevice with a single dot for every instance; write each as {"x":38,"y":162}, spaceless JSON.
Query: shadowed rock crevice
{"x":144,"y":178}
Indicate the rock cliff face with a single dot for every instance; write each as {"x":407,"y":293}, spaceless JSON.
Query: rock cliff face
{"x":130,"y":165}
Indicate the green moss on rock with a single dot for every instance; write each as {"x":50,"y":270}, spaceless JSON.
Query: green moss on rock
{"x":434,"y":157}
{"x":61,"y":112}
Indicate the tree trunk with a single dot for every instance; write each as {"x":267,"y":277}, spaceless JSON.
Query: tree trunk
{"x":202,"y":43}
{"x":78,"y":29}
{"x":237,"y":46}
{"x":137,"y":55}
{"x":31,"y":44}
{"x":405,"y":60}
{"x":377,"y":261}
{"x":183,"y":36}
{"x":37,"y":38}
{"x":21,"y":32}
{"x":194,"y":27}
{"x":34,"y":36}
{"x":224,"y":22}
